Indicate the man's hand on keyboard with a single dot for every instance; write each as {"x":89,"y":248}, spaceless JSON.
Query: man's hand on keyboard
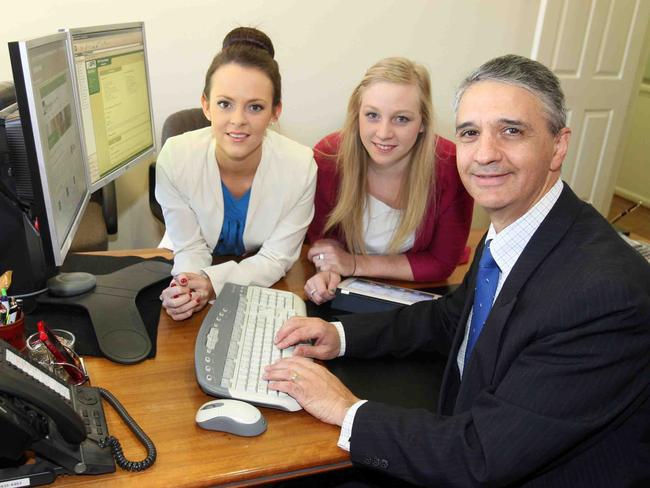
{"x":318,"y":391}
{"x":187,"y":293}
{"x":298,"y":331}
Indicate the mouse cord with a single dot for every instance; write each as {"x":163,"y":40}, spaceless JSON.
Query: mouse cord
{"x":114,"y":444}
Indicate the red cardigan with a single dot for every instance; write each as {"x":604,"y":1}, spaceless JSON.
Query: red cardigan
{"x":439,"y":241}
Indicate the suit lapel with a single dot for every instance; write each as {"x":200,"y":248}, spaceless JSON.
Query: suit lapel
{"x":264,"y":180}
{"x":451,"y":377}
{"x":480,"y":369}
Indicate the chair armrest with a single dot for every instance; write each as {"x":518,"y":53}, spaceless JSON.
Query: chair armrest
{"x":156,"y":210}
{"x":109,"y":207}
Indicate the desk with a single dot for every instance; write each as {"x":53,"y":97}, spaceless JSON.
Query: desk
{"x":163,"y":396}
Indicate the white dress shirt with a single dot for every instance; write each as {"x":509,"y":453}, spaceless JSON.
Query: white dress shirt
{"x":506,"y":247}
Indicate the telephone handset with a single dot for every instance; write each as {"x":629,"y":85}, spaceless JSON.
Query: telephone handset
{"x":63,"y":425}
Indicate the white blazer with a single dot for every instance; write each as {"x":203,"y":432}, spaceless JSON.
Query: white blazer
{"x":281,"y":206}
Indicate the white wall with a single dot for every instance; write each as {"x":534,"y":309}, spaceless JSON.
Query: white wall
{"x":633,"y":181}
{"x":323,"y":47}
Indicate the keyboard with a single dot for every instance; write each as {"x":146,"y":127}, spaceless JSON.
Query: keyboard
{"x":235,"y":343}
{"x":640,"y":247}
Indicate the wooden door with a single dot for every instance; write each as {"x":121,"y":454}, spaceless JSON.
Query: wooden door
{"x":595,"y":49}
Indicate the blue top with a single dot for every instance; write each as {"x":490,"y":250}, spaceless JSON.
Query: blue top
{"x":231,"y":240}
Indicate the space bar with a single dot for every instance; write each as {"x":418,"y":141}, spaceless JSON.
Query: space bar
{"x":284,"y":403}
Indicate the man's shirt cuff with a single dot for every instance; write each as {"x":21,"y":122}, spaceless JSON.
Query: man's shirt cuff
{"x":339,"y":329}
{"x":346,"y":427}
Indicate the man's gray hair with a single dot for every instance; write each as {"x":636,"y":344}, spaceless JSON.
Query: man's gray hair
{"x":525,"y":73}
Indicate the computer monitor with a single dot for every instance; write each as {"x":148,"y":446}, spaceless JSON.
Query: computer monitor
{"x":45,"y":187}
{"x":46,"y":156}
{"x":112,"y":88}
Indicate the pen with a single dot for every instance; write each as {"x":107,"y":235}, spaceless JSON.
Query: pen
{"x":51,"y":347}
{"x":14,"y":311}
{"x":5,"y":304}
{"x":63,"y":357}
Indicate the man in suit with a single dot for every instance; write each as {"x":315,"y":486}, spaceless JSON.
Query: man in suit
{"x":548,"y":377}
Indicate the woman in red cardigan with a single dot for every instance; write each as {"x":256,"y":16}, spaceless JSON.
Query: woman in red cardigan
{"x":389,"y":201}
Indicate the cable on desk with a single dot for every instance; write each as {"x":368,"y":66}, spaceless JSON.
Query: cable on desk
{"x":116,"y":448}
{"x":32,"y":294}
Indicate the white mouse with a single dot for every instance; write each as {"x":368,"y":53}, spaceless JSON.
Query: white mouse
{"x":233,"y":416}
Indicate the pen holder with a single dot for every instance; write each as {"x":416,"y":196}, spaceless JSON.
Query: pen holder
{"x":39,"y":353}
{"x":14,"y":333}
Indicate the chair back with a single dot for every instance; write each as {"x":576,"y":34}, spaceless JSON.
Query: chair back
{"x":183,"y":121}
{"x":176,"y":124}
{"x":7,"y":94}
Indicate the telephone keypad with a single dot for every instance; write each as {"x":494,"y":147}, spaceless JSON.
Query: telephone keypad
{"x":90,"y":407}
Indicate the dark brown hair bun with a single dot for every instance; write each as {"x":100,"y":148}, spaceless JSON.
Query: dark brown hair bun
{"x":250,"y":36}
{"x":247,"y":46}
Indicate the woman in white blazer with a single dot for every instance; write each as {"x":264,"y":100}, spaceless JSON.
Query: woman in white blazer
{"x":234,"y":187}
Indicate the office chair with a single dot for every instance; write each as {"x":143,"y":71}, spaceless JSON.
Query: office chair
{"x":98,"y":222}
{"x":176,"y":124}
{"x":7,"y":94}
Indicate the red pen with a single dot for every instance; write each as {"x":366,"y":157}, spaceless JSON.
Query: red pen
{"x":60,"y":353}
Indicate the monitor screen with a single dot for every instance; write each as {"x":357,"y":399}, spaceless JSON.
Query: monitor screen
{"x":112,"y":86}
{"x":50,"y":151}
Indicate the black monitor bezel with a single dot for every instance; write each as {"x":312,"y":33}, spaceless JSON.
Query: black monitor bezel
{"x":55,"y":247}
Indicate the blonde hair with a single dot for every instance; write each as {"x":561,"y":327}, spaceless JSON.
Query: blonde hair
{"x":352,"y":160}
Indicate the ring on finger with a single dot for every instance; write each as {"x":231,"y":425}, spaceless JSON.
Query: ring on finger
{"x":294,"y":377}
{"x":321,"y":256}
{"x":312,"y":291}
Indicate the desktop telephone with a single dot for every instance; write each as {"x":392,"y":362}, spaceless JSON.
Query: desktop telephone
{"x":64,"y":426}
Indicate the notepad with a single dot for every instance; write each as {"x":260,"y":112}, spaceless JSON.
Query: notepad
{"x":641,"y":247}
{"x":362,"y":295}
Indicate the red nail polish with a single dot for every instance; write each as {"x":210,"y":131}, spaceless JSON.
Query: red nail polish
{"x":183,"y":281}
{"x":173,"y":284}
{"x":175,"y":296}
{"x":198,"y":301}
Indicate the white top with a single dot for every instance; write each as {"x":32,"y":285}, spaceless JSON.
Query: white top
{"x":379,"y":223}
{"x":188,"y":188}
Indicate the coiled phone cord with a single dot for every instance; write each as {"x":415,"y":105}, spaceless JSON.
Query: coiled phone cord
{"x":114,"y":444}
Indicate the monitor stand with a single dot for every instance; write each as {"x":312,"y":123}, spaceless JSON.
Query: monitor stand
{"x":121,"y":334}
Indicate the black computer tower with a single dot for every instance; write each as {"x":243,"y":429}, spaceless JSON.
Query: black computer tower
{"x":21,"y":246}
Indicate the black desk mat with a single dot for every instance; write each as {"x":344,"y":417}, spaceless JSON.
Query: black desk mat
{"x":76,"y":320}
{"x":411,"y":382}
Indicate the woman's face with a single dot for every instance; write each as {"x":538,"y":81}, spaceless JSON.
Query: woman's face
{"x":240,"y":109}
{"x":389,"y":122}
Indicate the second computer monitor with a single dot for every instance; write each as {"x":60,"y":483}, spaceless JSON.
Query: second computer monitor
{"x":113,"y":89}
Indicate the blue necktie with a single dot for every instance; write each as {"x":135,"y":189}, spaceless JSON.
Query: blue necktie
{"x":486,"y":286}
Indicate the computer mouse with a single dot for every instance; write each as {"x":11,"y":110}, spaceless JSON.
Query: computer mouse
{"x":233,"y":416}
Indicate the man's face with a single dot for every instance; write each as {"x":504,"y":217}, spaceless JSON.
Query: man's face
{"x":507,"y":156}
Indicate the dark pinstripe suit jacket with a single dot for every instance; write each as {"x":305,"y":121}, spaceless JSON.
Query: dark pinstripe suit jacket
{"x":556,"y":392}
